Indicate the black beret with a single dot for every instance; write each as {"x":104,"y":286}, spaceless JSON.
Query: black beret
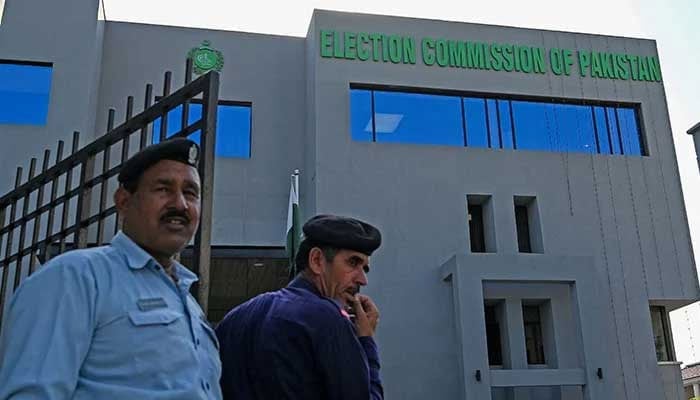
{"x":343,"y":233}
{"x":182,"y":150}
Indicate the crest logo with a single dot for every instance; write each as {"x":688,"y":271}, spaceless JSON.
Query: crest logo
{"x":205,"y":58}
{"x":192,"y":155}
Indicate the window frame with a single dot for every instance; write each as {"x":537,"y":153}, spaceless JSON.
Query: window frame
{"x":236,"y":103}
{"x":497,"y":97}
{"x":540,"y":344}
{"x":31,"y":63}
{"x":666,"y":330}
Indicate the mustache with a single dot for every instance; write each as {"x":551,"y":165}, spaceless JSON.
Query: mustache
{"x":175,"y":214}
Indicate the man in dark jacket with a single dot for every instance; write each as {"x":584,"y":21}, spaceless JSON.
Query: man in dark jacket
{"x":313,"y":339}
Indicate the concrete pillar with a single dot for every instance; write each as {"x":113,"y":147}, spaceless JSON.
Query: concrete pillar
{"x":696,"y":390}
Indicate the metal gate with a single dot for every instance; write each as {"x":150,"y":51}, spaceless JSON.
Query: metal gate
{"x":69,"y":205}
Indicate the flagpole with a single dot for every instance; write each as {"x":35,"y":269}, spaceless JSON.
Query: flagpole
{"x":293,"y":223}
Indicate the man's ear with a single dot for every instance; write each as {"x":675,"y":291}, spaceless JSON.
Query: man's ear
{"x":316,"y":261}
{"x":122,"y":199}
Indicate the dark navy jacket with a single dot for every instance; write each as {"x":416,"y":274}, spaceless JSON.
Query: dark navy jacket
{"x":294,"y":344}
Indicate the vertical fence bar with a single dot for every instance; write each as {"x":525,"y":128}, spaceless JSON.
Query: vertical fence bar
{"x":186,"y":104}
{"x":103,"y":197}
{"x":125,"y":151}
{"x":104,"y":185}
{"x":164,"y":117}
{"x":202,"y":245}
{"x":37,"y":220}
{"x":3,"y":211}
{"x":82,"y":212}
{"x":146,"y":104}
{"x":3,"y":271}
{"x":66,"y":202}
{"x":23,"y":226}
{"x":8,"y":248}
{"x":52,"y":210}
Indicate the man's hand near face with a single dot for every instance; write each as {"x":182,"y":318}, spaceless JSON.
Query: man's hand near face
{"x":366,"y":315}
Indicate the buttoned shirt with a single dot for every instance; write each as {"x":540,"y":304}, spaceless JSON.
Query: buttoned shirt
{"x":107,"y":323}
{"x":296,"y":344}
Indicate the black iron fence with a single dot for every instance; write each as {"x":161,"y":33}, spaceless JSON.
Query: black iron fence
{"x":69,"y":204}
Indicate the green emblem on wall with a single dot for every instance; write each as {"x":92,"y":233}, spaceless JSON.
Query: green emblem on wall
{"x":205,"y":58}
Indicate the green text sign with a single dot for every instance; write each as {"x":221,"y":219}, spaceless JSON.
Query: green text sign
{"x":446,"y":53}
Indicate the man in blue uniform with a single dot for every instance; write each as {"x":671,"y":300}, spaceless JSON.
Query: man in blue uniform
{"x":117,"y":322}
{"x":301,"y":342}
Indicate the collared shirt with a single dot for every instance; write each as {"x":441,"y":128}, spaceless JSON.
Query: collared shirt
{"x":107,"y":323}
{"x":296,"y":344}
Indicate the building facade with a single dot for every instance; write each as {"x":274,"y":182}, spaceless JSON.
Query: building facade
{"x":525,"y":181}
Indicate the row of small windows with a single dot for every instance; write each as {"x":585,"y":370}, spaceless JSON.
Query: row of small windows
{"x":404,"y":117}
{"x":534,"y":312}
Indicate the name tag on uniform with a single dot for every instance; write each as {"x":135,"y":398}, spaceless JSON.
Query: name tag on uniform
{"x":151,"y":303}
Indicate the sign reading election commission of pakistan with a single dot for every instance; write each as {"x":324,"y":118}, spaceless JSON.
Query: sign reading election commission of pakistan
{"x":378,"y":47}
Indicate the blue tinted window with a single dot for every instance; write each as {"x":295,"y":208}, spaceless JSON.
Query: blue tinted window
{"x":492,"y":119}
{"x":475,"y":118}
{"x":535,"y":126}
{"x":602,"y":130}
{"x":629,"y":131}
{"x":418,"y":118}
{"x":613,"y":128}
{"x":574,"y":128}
{"x":505,"y":123}
{"x":232,"y":128}
{"x":494,"y":123}
{"x":24,"y":94}
{"x":361,"y":115}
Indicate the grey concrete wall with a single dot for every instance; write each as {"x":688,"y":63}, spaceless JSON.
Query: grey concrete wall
{"x":251,"y":195}
{"x":625,"y":212}
{"x":67,"y":34}
{"x":672,"y":381}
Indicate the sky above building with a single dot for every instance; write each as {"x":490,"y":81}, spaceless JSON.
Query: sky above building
{"x":673,"y":24}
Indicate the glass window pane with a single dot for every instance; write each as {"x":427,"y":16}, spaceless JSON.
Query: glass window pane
{"x":505,"y":123}
{"x":233,"y":131}
{"x":24,"y":94}
{"x":602,"y":130}
{"x":614,"y":133}
{"x":574,"y":128}
{"x":535,"y":127}
{"x":660,"y":332}
{"x":475,"y":117}
{"x":418,"y":118}
{"x":493,"y":334}
{"x":360,"y":115}
{"x":629,"y":131}
{"x":495,"y":123}
{"x":492,"y":118}
{"x":534,"y":343}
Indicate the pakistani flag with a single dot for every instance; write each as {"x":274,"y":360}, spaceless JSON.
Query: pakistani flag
{"x":293,"y":223}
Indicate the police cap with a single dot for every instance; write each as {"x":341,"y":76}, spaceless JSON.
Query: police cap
{"x":181,"y":150}
{"x":343,"y":233}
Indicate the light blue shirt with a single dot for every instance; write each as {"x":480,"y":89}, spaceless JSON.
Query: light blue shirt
{"x":107,"y":323}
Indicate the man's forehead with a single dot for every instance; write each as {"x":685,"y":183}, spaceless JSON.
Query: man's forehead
{"x":171,"y":170}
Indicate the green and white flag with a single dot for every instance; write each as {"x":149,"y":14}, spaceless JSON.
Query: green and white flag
{"x":293,"y":223}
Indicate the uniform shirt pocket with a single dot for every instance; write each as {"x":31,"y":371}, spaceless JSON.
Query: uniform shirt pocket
{"x":154,"y":317}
